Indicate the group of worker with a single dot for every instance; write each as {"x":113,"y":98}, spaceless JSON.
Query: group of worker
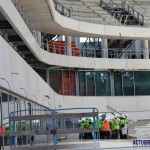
{"x":108,"y":129}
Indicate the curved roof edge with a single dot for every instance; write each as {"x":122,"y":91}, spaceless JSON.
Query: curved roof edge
{"x":21,"y":28}
{"x":81,"y":28}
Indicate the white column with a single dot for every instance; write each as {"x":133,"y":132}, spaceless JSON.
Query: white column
{"x":104,"y":48}
{"x":68,"y":44}
{"x":146,"y":50}
{"x":138,"y":50}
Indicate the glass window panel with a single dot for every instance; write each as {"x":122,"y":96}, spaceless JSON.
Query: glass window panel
{"x":142,"y":82}
{"x":118,"y":83}
{"x":4,"y":97}
{"x":72,"y":83}
{"x":56,"y":81}
{"x":66,"y":82}
{"x":82,"y":84}
{"x":102,"y":80}
{"x":128,"y":86}
{"x":90,"y":83}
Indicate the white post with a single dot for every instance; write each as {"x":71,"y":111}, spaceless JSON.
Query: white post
{"x":104,"y":48}
{"x":146,"y":50}
{"x":68,"y":44}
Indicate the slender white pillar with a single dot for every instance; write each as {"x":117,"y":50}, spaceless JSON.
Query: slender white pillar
{"x":104,"y":48}
{"x":68,"y":44}
{"x":138,"y":50}
{"x":146,"y":50}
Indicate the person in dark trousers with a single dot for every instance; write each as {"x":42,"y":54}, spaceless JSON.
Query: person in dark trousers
{"x":32,"y":140}
{"x":20,"y":141}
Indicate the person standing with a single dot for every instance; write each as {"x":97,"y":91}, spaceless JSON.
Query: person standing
{"x":116,"y":128}
{"x":98,"y":125}
{"x":123,"y":125}
{"x":81,"y":126}
{"x":32,"y":140}
{"x":106,"y":129}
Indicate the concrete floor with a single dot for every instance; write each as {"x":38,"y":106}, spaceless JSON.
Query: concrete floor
{"x":102,"y":144}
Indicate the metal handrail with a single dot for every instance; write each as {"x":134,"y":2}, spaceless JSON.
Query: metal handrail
{"x":56,"y":3}
{"x":118,"y":112}
{"x":128,"y":46}
{"x":133,"y":10}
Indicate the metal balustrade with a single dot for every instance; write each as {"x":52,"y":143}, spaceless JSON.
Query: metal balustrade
{"x":46,"y":126}
{"x":82,"y":52}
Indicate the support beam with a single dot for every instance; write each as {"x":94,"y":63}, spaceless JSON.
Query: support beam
{"x":68,"y":43}
{"x":104,"y":48}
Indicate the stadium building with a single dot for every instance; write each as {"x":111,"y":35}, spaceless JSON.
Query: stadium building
{"x":75,"y":53}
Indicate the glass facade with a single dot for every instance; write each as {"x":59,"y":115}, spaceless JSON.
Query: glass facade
{"x":98,"y":83}
{"x":82,"y":84}
{"x":63,"y":81}
{"x":102,"y":82}
{"x":128,"y":83}
{"x":90,"y":83}
{"x":142,"y":83}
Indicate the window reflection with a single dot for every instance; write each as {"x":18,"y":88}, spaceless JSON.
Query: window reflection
{"x":102,"y":80}
{"x":90,"y":83}
{"x":128,"y":85}
{"x":142,"y":82}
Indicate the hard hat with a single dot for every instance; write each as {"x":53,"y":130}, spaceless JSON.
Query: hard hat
{"x":126,"y":115}
{"x":79,"y":121}
{"x":116,"y":116}
{"x":83,"y":119}
{"x":123,"y":116}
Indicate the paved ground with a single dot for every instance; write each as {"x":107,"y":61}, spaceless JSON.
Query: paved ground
{"x":101,"y":144}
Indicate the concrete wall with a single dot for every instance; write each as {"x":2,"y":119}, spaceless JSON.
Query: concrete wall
{"x":20,"y":27}
{"x":27,"y":78}
{"x":85,"y":29}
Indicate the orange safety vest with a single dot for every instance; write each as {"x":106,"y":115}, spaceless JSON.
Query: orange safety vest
{"x":106,"y":126}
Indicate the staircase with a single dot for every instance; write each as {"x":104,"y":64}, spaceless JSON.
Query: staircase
{"x":123,"y":12}
{"x":126,"y":15}
{"x":91,"y":48}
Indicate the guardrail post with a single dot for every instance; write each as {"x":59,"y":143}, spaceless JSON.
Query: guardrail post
{"x":54,"y":128}
{"x":94,"y":126}
{"x":14,"y":129}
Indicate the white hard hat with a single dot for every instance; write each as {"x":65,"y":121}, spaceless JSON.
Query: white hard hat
{"x":83,"y":119}
{"x":115,"y":116}
{"x":126,"y":115}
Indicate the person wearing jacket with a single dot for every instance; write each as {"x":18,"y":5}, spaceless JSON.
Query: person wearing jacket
{"x":81,"y":125}
{"x":106,"y":129}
